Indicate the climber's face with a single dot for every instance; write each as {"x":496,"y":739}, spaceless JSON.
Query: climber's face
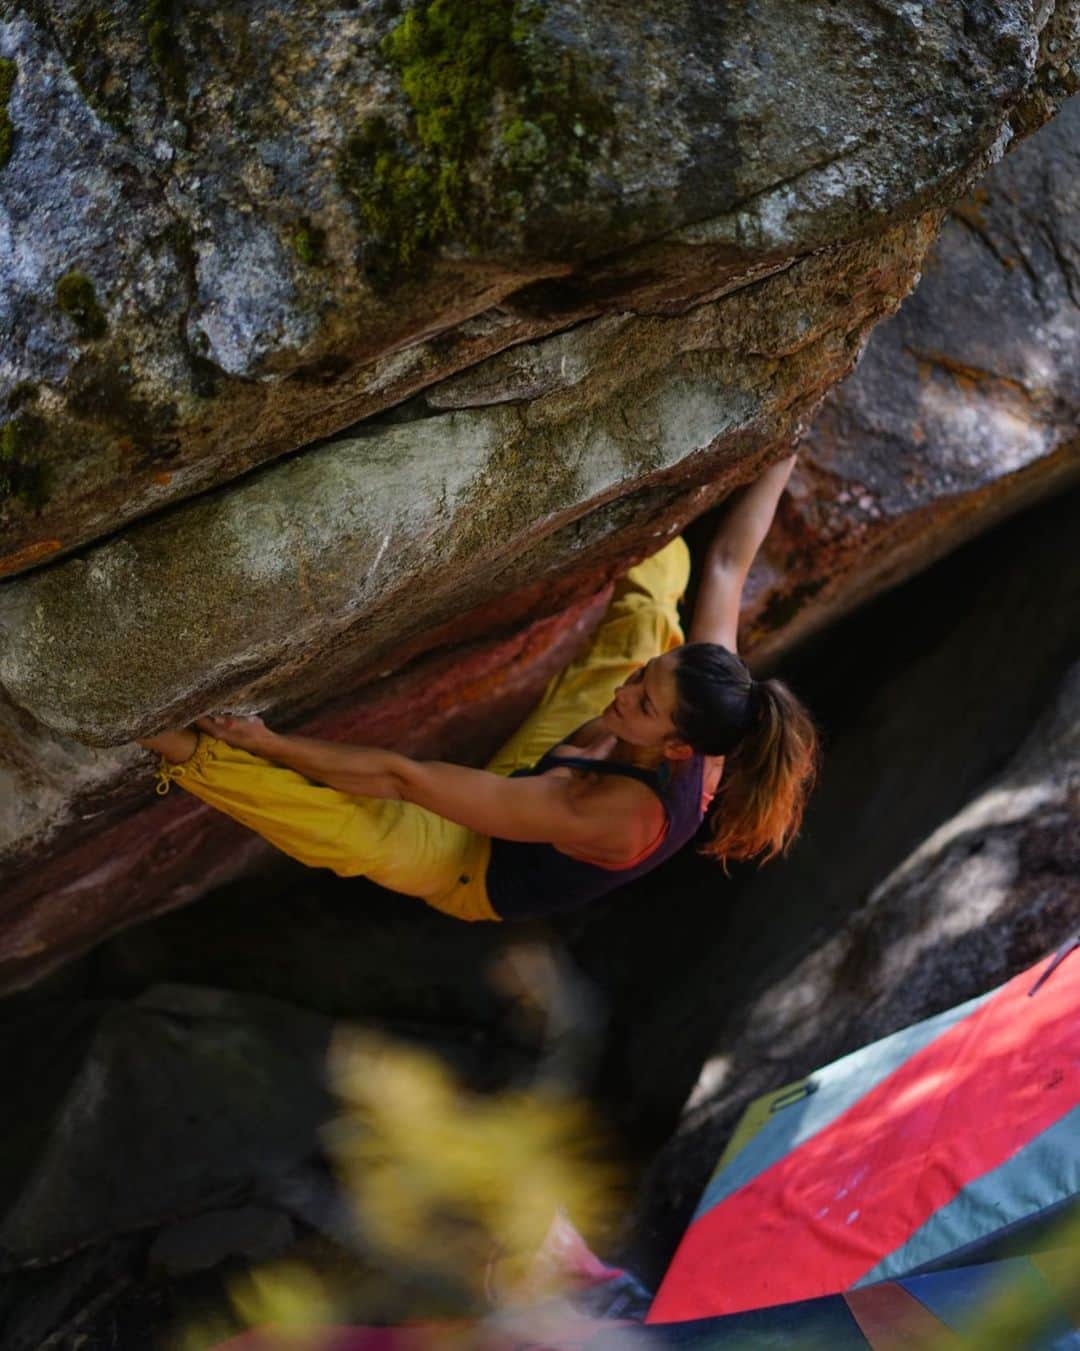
{"x":641,"y":713}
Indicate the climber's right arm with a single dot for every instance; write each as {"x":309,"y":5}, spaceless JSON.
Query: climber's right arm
{"x":542,"y":809}
{"x":361,"y":771}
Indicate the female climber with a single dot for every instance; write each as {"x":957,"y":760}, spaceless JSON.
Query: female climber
{"x":609,"y":776}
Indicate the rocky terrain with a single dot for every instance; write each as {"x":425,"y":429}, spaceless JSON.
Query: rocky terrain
{"x":463,"y":536}
{"x":347,"y":358}
{"x":964,"y":407}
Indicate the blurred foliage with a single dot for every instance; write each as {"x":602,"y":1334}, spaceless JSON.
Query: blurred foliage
{"x":456,"y":1185}
{"x":454,"y":1194}
{"x":1026,"y":1307}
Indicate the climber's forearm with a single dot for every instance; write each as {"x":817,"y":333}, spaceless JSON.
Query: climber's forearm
{"x":746,"y":521}
{"x":362,"y":771}
{"x":738,"y":537}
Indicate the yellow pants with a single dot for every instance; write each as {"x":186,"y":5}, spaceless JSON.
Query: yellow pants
{"x":405,"y":847}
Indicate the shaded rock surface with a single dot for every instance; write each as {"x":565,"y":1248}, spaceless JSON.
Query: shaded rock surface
{"x":206,"y":1241}
{"x":986,"y":895}
{"x":229,"y":211}
{"x":964,"y":407}
{"x":57,"y":1301}
{"x":183,"y":1096}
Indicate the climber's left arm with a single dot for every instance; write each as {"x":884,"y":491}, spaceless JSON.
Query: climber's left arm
{"x":743,"y":526}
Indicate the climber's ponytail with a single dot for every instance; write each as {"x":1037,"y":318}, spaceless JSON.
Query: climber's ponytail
{"x":767,"y":779}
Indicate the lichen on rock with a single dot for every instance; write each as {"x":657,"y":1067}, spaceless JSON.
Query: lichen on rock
{"x":309,"y":241}
{"x":537,"y":164}
{"x":21,"y":474}
{"x":165,"y":51}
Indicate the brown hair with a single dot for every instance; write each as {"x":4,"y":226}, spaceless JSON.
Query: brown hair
{"x":770,"y":746}
{"x":767,"y":779}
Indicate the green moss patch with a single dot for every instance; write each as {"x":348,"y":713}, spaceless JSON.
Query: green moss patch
{"x":8,"y":72}
{"x":75,"y":296}
{"x":22,"y":476}
{"x":309,"y":243}
{"x":158,"y":19}
{"x":497,"y":114}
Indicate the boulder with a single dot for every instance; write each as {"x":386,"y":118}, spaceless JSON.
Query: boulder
{"x":285,"y":607}
{"x":965,"y":406}
{"x":514,"y":455}
{"x":55,"y":1301}
{"x":148,"y":1112}
{"x":314,"y":574}
{"x":227,"y":235}
{"x":88,"y":848}
{"x":203,"y":1242}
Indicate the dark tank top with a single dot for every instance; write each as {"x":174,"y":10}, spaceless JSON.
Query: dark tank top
{"x":525,"y":880}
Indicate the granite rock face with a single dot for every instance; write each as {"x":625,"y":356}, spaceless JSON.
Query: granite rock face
{"x":351,"y":550}
{"x":964,"y":407}
{"x":88,"y":848}
{"x":226,"y":234}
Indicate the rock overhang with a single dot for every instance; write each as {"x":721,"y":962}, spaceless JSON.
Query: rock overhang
{"x":368,"y":540}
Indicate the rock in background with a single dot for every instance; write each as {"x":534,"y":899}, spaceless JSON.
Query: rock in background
{"x":965,"y":406}
{"x":184,"y":1096}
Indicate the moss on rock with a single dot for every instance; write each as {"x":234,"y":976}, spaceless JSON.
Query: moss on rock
{"x":8,"y":72}
{"x":495,"y":109}
{"x":22,"y":475}
{"x":90,"y":61}
{"x":158,"y":20}
{"x":309,"y":244}
{"x":75,"y":296}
